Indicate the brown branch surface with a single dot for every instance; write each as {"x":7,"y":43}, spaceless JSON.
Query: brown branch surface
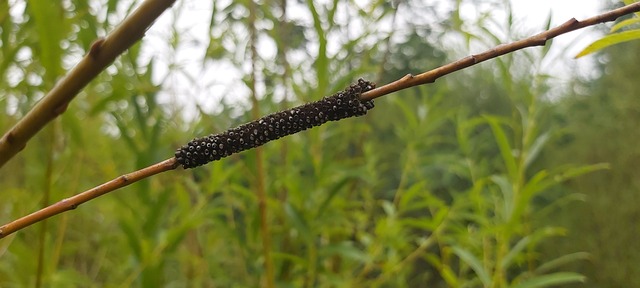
{"x":540,"y":39}
{"x":101,"y":54}
{"x":403,"y":83}
{"x":75,"y":201}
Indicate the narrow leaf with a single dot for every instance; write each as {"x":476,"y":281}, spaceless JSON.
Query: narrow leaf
{"x":551,"y":280}
{"x":47,"y":16}
{"x":298,"y":221}
{"x":505,"y":147}
{"x":535,"y":148}
{"x":474,"y":263}
{"x":562,"y":260}
{"x":610,"y":40}
{"x":507,"y":194}
{"x":624,"y":23}
{"x":506,"y":261}
{"x":346,"y":250}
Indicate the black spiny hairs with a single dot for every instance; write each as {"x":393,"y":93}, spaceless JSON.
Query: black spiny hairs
{"x":341,"y":105}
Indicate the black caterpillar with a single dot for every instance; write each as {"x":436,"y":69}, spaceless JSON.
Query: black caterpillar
{"x":341,"y":105}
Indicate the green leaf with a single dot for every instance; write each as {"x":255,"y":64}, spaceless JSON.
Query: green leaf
{"x":542,"y":180}
{"x":298,"y":221}
{"x":474,"y":263}
{"x":528,"y":241}
{"x":625,"y":23}
{"x":132,"y":237}
{"x":464,"y":128}
{"x":427,"y":224}
{"x":562,"y":260}
{"x":547,"y":26}
{"x":155,"y":211}
{"x":346,"y":250}
{"x":411,"y":195}
{"x":507,"y":194}
{"x":322,"y":61}
{"x":176,"y":234}
{"x":535,"y":148}
{"x":578,"y":171}
{"x":551,"y":280}
{"x":610,"y":40}
{"x":536,"y":183}
{"x":47,"y":16}
{"x":446,"y":272}
{"x":388,"y":208}
{"x":409,"y":113}
{"x":508,"y":259}
{"x":332,"y":193}
{"x":505,"y":147}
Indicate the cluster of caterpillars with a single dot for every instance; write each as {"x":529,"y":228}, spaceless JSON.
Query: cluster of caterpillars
{"x":341,"y":105}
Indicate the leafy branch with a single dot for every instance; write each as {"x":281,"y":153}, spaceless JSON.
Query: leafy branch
{"x":101,"y":54}
{"x":619,"y":33}
{"x":13,"y":140}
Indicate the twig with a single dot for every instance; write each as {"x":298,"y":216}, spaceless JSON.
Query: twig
{"x":537,"y":40}
{"x":73,"y":202}
{"x":101,"y":54}
{"x":403,"y":83}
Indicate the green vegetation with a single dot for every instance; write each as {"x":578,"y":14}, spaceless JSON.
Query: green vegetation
{"x":473,"y":181}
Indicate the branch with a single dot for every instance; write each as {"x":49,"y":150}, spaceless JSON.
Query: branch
{"x":101,"y":54}
{"x":537,"y":40}
{"x":403,"y":83}
{"x":73,"y":202}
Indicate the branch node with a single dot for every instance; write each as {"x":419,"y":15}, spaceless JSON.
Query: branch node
{"x":95,"y":48}
{"x":61,"y":108}
{"x":10,"y":138}
{"x":407,"y":77}
{"x":539,"y":41}
{"x":571,"y":24}
{"x":68,"y":204}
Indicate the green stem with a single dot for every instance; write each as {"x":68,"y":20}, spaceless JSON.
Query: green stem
{"x":262,"y":195}
{"x":45,"y":202}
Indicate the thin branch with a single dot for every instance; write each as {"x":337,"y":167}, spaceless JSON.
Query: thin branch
{"x":403,"y":83}
{"x":537,"y":40}
{"x":101,"y":54}
{"x":75,"y":201}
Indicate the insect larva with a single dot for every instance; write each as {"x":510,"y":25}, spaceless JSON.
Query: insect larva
{"x":341,"y":105}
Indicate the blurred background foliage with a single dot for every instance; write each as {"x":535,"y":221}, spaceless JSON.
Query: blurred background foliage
{"x":473,"y":181}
